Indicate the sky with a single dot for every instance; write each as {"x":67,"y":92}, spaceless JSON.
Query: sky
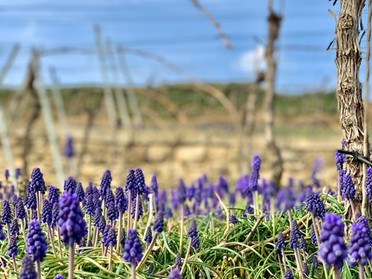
{"x":176,"y":31}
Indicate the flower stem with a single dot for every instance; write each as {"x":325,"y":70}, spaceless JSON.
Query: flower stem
{"x":147,"y":253}
{"x":129,"y":211}
{"x":89,"y":228}
{"x":361,"y":271}
{"x":136,"y":212}
{"x":119,"y":232}
{"x":51,"y":239}
{"x":71,"y":261}
{"x":38,"y":269}
{"x":15,"y":264}
{"x":133,"y":271}
{"x":110,"y":258}
{"x":59,"y":241}
{"x":187,"y":256}
{"x":336,"y":273}
{"x":181,"y":229}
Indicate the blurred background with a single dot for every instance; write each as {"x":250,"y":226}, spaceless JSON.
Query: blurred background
{"x":174,"y":87}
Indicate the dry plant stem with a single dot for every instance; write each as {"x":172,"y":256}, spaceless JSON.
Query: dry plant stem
{"x":151,"y":212}
{"x":315,"y":227}
{"x":352,"y":209}
{"x":71,"y":261}
{"x":299,"y":262}
{"x":271,"y":239}
{"x":181,"y":226}
{"x":38,"y":269}
{"x":51,"y":239}
{"x":227,"y":212}
{"x":281,"y":267}
{"x":258,"y":221}
{"x":119,"y":232}
{"x":147,"y":253}
{"x":361,"y":271}
{"x":59,"y":241}
{"x":95,"y":240}
{"x":187,"y":256}
{"x":38,"y":204}
{"x":136,"y":212}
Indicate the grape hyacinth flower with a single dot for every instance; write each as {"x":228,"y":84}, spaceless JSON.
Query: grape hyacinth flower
{"x":360,"y":244}
{"x":369,"y":184}
{"x":72,"y":225}
{"x":13,"y":249}
{"x":132,"y":250}
{"x":178,"y":260}
{"x":121,"y":204}
{"x":80,"y":193}
{"x":109,"y":240}
{"x":53,"y":195}
{"x":37,"y":181}
{"x":332,"y":250}
{"x":174,"y":274}
{"x":280,"y":243}
{"x":27,"y":269}
{"x":233,"y":219}
{"x":255,"y":173}
{"x":105,"y":183}
{"x":6,"y":174}
{"x":288,"y":274}
{"x":70,"y":185}
{"x":315,"y":205}
{"x":59,"y":276}
{"x":193,"y":241}
{"x":6,"y":217}
{"x":14,"y":229}
{"x":2,"y":234}
{"x":36,"y":244}
{"x":148,"y":235}
{"x":68,"y":150}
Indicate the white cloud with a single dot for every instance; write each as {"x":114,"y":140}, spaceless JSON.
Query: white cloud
{"x":252,"y":60}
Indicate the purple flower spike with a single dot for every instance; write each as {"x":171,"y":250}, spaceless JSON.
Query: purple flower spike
{"x":80,"y":193}
{"x":6,"y":174}
{"x":36,"y":244}
{"x":53,"y":195}
{"x":154,"y":185}
{"x":141,"y":187}
{"x":132,"y":248}
{"x":37,"y":181}
{"x":193,"y":234}
{"x":68,"y":150}
{"x":315,"y":205}
{"x":6,"y":217}
{"x":105,"y":183}
{"x":360,"y":243}
{"x":121,"y":200}
{"x":159,"y":222}
{"x":340,"y":159}
{"x":174,"y":274}
{"x":12,"y":248}
{"x":288,"y":274}
{"x":46,"y":215}
{"x":2,"y":234}
{"x":14,"y":228}
{"x":178,"y":261}
{"x":348,"y":188}
{"x":369,"y":183}
{"x":27,"y":269}
{"x":148,"y":235}
{"x":181,"y":191}
{"x":18,"y":173}
{"x":71,"y":219}
{"x":21,"y":212}
{"x":59,"y":276}
{"x":109,"y":237}
{"x":55,"y":215}
{"x":70,"y":185}
{"x":280,"y":243}
{"x":332,"y":250}
{"x":255,"y":173}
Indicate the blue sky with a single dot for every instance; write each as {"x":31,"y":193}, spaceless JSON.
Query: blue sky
{"x":176,"y":30}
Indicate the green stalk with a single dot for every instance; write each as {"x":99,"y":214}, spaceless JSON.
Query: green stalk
{"x":182,"y":225}
{"x":38,"y":269}
{"x":187,"y":256}
{"x":15,"y":264}
{"x":8,"y":231}
{"x":148,"y":251}
{"x":71,"y":261}
{"x":136,"y":212}
{"x":256,"y":206}
{"x":119,"y":232}
{"x":315,"y":227}
{"x":23,"y":228}
{"x":89,"y":228}
{"x":129,"y":211}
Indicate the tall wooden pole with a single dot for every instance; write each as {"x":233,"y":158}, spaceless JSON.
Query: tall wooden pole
{"x":348,"y":89}
{"x":274,"y":21}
